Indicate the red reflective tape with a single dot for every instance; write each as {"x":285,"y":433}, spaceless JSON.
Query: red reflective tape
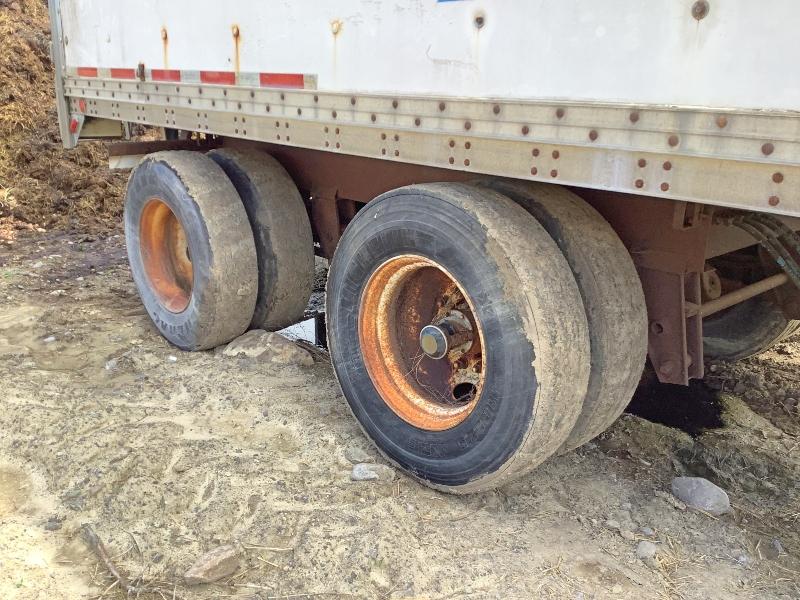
{"x":123,"y":73}
{"x":87,"y":71}
{"x":283,"y":80}
{"x":218,"y":77}
{"x":165,"y":75}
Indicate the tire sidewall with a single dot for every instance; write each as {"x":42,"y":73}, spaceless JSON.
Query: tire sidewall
{"x":408,"y":222}
{"x":156,"y":180}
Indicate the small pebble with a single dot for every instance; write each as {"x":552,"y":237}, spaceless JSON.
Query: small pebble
{"x":648,"y":531}
{"x":372,"y":472}
{"x":647,"y":552}
{"x":172,"y":359}
{"x":49,"y":340}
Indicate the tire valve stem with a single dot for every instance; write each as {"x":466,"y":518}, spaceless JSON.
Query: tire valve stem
{"x":437,"y":340}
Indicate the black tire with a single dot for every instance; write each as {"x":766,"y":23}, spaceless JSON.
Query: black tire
{"x":282,"y":234}
{"x":612,"y":296}
{"x":530,"y":312}
{"x":745,"y":330}
{"x":189,"y":191}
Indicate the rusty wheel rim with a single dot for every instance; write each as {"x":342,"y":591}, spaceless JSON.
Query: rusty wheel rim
{"x":165,"y":254}
{"x":430,"y":387}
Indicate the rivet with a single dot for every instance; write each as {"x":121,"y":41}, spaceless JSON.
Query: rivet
{"x":664,"y":187}
{"x":338,"y":145}
{"x":283,"y":96}
{"x":452,"y":143}
{"x":673,"y":140}
{"x":452,"y":160}
{"x":525,"y":130}
{"x":560,"y":113}
{"x":395,"y":103}
{"x":534,"y":170}
{"x":383,"y":150}
{"x":467,"y":125}
{"x":337,"y":129}
{"x":316,"y":98}
{"x":535,"y":152}
{"x":480,"y":21}
{"x":593,"y":135}
{"x":383,"y":135}
{"x":768,"y":148}
{"x":353,"y":100}
{"x":442,"y":106}
{"x":235,"y":30}
{"x":496,"y":109}
{"x":468,"y":145}
{"x":642,"y":163}
{"x":774,"y":201}
{"x":553,"y":173}
{"x":639,"y":183}
{"x":334,"y":114}
{"x":396,"y":138}
{"x":634,"y":117}
{"x":722,"y":121}
{"x":466,"y":162}
{"x":777,"y":177}
{"x":556,"y":154}
{"x":373,"y":117}
{"x":417,"y":121}
{"x":667,"y":166}
{"x":700,"y":10}
{"x":397,"y":152}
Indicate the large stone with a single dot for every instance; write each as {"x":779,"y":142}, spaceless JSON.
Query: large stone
{"x":212,"y":566}
{"x":701,"y":494}
{"x":268,"y":347}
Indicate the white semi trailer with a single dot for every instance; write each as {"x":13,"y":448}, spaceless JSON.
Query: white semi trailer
{"x":521,"y":200}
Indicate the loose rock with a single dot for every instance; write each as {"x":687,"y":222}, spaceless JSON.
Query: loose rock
{"x":372,"y":472}
{"x":701,"y":494}
{"x":268,"y":347}
{"x":213,"y":566}
{"x":647,"y":553}
{"x":356,"y":455}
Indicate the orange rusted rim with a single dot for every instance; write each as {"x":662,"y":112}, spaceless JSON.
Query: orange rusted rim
{"x":431,"y":389}
{"x":165,"y":254}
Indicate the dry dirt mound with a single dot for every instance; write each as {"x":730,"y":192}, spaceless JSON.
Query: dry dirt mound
{"x":40,"y":182}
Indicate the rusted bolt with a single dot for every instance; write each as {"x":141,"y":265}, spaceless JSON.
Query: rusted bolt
{"x":554,"y":173}
{"x":534,"y":170}
{"x":593,"y":135}
{"x":480,"y":21}
{"x":164,"y":34}
{"x":634,"y":117}
{"x":556,"y":154}
{"x":667,"y":166}
{"x":395,"y":103}
{"x":417,"y":122}
{"x":442,"y":106}
{"x":656,"y":328}
{"x":373,"y":117}
{"x":467,"y":125}
{"x":283,"y":96}
{"x":452,"y":144}
{"x":338,"y":145}
{"x":535,"y":152}
{"x":700,"y":10}
{"x":722,"y":121}
{"x":452,"y":160}
{"x":383,"y":135}
{"x":466,"y":162}
{"x":674,"y":140}
{"x":777,"y":177}
{"x":337,"y":129}
{"x":396,"y":138}
{"x":639,"y":183}
{"x":525,"y":130}
{"x":334,"y":114}
{"x":383,"y":150}
{"x":665,"y":187}
{"x":496,"y":109}
{"x":235,"y":31}
{"x":642,"y":163}
{"x":774,"y":200}
{"x":468,"y":145}
{"x":397,"y":152}
{"x":768,"y":148}
{"x":560,"y":113}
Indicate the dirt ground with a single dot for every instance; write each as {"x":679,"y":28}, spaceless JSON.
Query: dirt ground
{"x":170,"y":454}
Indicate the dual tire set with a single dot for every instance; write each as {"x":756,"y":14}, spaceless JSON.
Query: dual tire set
{"x":475,"y":330}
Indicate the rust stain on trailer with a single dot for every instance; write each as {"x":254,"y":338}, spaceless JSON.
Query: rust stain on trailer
{"x":237,"y":47}
{"x":165,"y":46}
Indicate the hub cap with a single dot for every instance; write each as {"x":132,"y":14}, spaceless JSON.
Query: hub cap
{"x":421,"y":342}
